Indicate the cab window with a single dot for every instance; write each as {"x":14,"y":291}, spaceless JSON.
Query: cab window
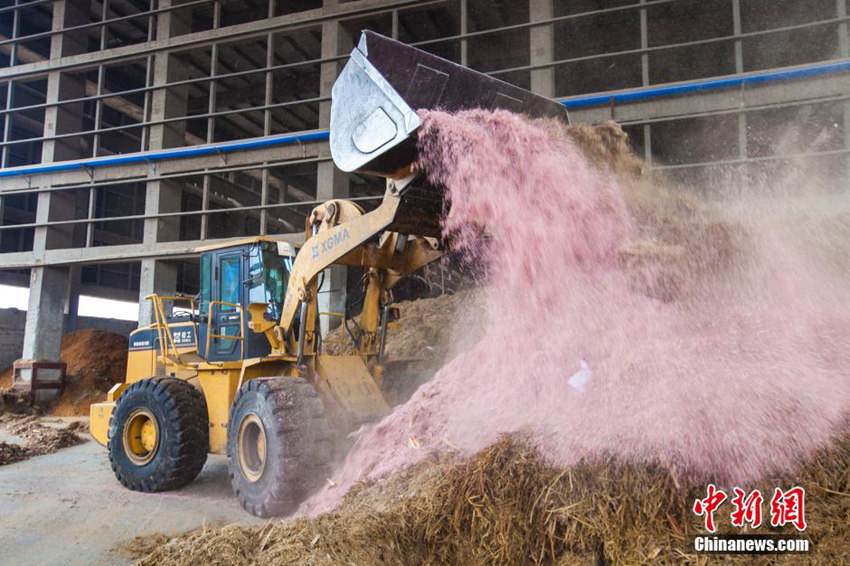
{"x":230,"y":281}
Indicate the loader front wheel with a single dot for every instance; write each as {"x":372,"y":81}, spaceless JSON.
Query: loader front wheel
{"x":279,"y":444}
{"x":158,"y":435}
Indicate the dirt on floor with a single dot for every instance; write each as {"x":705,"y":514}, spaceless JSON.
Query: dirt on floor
{"x":506,"y":505}
{"x":36,"y":436}
{"x":16,"y":402}
{"x":95,"y":360}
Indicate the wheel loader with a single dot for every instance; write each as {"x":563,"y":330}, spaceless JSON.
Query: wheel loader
{"x":240,"y":369}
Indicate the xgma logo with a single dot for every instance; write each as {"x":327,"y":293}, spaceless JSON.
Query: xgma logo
{"x":330,"y":242}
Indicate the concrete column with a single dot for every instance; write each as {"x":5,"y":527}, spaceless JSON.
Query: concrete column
{"x":736,"y":30}
{"x":739,"y":68}
{"x":843,"y":52}
{"x":644,"y":44}
{"x":644,"y":66}
{"x":49,"y":286}
{"x":336,"y":40}
{"x":464,"y":29}
{"x":395,"y":24}
{"x":158,"y":276}
{"x":59,"y":120}
{"x":73,"y":299}
{"x":45,"y":313}
{"x":331,"y":183}
{"x":542,"y":45}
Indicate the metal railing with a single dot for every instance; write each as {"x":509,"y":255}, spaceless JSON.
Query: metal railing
{"x":166,"y":339}
{"x":91,"y":25}
{"x":210,"y":325}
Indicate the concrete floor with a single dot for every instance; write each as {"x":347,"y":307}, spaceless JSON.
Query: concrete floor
{"x":67,"y":508}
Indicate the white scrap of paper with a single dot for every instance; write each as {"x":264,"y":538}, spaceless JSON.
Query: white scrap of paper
{"x":580,"y":379}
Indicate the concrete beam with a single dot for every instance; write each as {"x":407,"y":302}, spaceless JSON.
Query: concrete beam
{"x":22,"y":52}
{"x":138,"y":171}
{"x":118,"y":254}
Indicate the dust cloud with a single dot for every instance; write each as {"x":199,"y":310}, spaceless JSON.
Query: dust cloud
{"x":737,"y":371}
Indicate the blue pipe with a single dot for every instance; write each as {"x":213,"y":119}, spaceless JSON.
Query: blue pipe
{"x":704,"y":86}
{"x":227,"y":147}
{"x":322,"y":135}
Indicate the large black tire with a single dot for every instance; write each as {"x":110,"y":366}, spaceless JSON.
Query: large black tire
{"x":178,"y":412}
{"x":272,"y":476}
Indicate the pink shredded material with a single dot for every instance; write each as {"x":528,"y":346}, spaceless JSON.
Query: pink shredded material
{"x":746,"y":381}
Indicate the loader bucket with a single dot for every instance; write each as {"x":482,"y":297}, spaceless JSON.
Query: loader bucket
{"x":375,"y":99}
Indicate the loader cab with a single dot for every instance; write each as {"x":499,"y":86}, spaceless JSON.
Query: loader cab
{"x":232,"y":277}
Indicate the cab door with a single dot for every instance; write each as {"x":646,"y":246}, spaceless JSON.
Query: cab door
{"x":225,"y":319}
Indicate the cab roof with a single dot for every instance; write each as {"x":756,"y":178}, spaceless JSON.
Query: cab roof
{"x":249,"y":240}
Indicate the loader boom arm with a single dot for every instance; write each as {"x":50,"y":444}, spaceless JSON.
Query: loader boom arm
{"x":326,"y":247}
{"x":373,"y":128}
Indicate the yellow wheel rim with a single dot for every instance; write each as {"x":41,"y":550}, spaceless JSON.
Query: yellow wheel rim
{"x":141,"y":437}
{"x":251,"y":447}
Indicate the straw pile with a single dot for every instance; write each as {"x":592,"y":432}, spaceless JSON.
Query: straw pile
{"x":424,"y":331}
{"x":96,"y":360}
{"x":506,"y":505}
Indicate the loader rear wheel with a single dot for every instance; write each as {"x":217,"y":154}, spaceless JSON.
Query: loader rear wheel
{"x":158,"y":435}
{"x":279,"y":444}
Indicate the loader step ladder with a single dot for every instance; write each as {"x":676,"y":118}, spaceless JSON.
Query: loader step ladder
{"x":168,"y":349}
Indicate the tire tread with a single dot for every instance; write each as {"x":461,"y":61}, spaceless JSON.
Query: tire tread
{"x":306,"y":435}
{"x":186,"y":417}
